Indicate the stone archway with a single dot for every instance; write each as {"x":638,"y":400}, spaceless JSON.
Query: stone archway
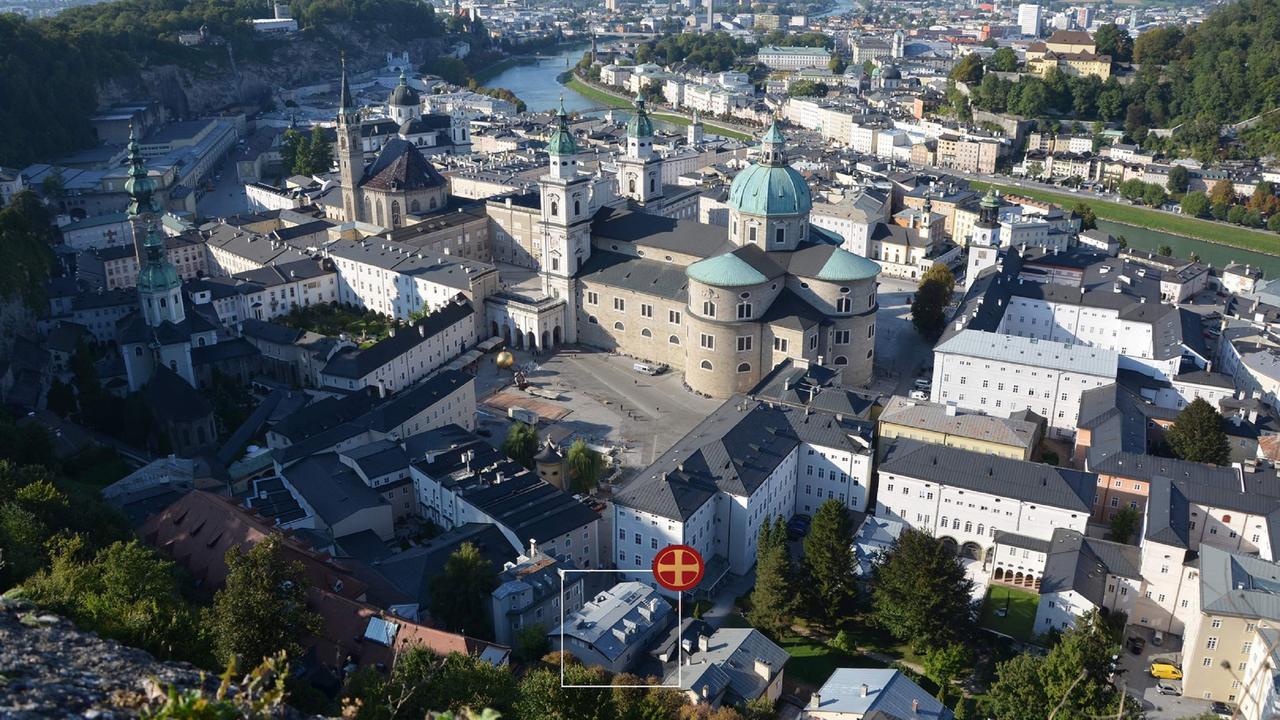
{"x":546,"y":340}
{"x":494,"y":327}
{"x":531,"y":340}
{"x":555,"y":336}
{"x":519,"y":338}
{"x":971,"y":550}
{"x":506,"y":334}
{"x":949,"y":543}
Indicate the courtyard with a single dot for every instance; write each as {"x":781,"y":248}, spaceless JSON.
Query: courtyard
{"x":1010,"y":611}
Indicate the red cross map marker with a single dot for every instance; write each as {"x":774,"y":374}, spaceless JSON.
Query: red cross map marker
{"x":678,"y":568}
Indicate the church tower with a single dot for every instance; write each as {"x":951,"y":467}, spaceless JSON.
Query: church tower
{"x":984,"y":242}
{"x":898,"y":49}
{"x":695,"y":130}
{"x":404,"y":104}
{"x":350,"y":151}
{"x":565,"y":221}
{"x":639,"y":169}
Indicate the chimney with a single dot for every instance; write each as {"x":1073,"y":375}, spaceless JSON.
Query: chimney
{"x":422,"y":330}
{"x":382,"y":389}
{"x":817,"y":700}
{"x":533,"y":547}
{"x":704,"y":643}
{"x":706,"y":692}
{"x":915,"y":706}
{"x":951,"y":410}
{"x":863,"y":692}
{"x":762,"y":669}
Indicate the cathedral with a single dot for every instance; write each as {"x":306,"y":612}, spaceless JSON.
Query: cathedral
{"x":619,"y":274}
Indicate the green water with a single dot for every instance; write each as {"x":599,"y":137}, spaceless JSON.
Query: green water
{"x":1213,"y":254}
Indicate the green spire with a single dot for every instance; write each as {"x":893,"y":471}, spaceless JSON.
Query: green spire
{"x":640,"y":125}
{"x":990,"y":200}
{"x":773,"y":145}
{"x":561,"y":141}
{"x":140,"y":186}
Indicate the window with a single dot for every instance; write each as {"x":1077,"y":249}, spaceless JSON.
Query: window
{"x":751,"y":234}
{"x":618,"y":326}
{"x":637,"y":538}
{"x":646,"y":310}
{"x":779,"y":236}
{"x":620,"y":304}
{"x":844,"y":305}
{"x":744,"y":311}
{"x":673,"y":340}
{"x":708,"y":342}
{"x":744,"y":367}
{"x":1217,"y":623}
{"x":780,"y":344}
{"x":593,"y":298}
{"x":744,"y":343}
{"x":1208,"y":662}
{"x":1211,"y":644}
{"x":705,"y":364}
{"x":646,"y":332}
{"x":813,"y":341}
{"x":555,"y":209}
{"x":709,"y":309}
{"x":673,"y":317}
{"x":653,"y":543}
{"x":840,"y":337}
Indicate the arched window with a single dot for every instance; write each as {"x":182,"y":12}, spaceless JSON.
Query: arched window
{"x":577,"y":207}
{"x":709,"y":309}
{"x":555,"y":209}
{"x":841,"y":360}
{"x":433,"y":203}
{"x":705,"y":364}
{"x":652,"y":185}
{"x":592,"y":319}
{"x":618,"y":326}
{"x":744,"y":367}
{"x":673,"y":340}
{"x":646,"y":332}
{"x":631,"y":185}
{"x":200,"y":342}
{"x":415,"y":206}
{"x":395,"y":213}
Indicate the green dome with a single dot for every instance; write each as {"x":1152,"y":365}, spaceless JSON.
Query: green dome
{"x":158,"y":278}
{"x":770,"y":190}
{"x":844,"y":266}
{"x":640,"y":125}
{"x":726,"y":270}
{"x":561,"y":141}
{"x":403,"y":94}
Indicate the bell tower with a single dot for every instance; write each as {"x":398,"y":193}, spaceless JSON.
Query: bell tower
{"x":984,"y":243}
{"x":640,"y":169}
{"x":350,"y":151}
{"x":565,"y":221}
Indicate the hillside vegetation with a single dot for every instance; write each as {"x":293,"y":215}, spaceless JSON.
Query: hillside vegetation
{"x":51,"y":69}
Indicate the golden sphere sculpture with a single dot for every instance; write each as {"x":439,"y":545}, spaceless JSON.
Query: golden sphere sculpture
{"x":505,"y":360}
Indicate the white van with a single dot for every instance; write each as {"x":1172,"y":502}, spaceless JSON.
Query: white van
{"x":646,"y":368}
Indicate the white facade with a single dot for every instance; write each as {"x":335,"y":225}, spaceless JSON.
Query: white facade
{"x":1030,"y":17}
{"x":1002,"y":374}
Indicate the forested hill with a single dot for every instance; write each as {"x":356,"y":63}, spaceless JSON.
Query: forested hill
{"x":53,"y":70}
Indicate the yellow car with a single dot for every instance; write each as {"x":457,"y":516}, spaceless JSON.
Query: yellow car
{"x":1165,"y":671}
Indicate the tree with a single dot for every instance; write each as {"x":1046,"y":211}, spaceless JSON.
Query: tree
{"x":968,"y":70}
{"x":1123,"y":524}
{"x":460,"y":594}
{"x":1195,"y":204}
{"x":1178,"y":180}
{"x":262,"y":609}
{"x":1236,"y":214}
{"x":459,"y":681}
{"x":1197,"y":434}
{"x":61,"y":399}
{"x":928,"y":309}
{"x":521,"y":443}
{"x":1222,"y":192}
{"x":531,"y":643}
{"x":319,"y":152}
{"x":293,"y":146}
{"x":1165,"y":250}
{"x":945,"y":663}
{"x":807,"y":88}
{"x":26,"y":257}
{"x":1088,"y":219}
{"x":1003,"y":60}
{"x":1273,"y":223}
{"x":773,"y":597}
{"x":760,"y":708}
{"x":837,"y":64}
{"x":920,"y":592}
{"x":1153,"y":195}
{"x":125,"y":592}
{"x":541,"y":696}
{"x":829,"y":562}
{"x":585,"y":466}
{"x":1114,"y":41}
{"x":1018,"y":692}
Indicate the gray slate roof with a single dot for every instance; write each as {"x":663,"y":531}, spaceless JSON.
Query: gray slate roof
{"x":1238,"y":585}
{"x":1004,"y":477}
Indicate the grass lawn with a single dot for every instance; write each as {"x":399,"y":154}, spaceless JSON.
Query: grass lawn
{"x":1221,"y":233}
{"x":1020,"y":622}
{"x":619,"y":101}
{"x":364,"y":327}
{"x":812,"y":661}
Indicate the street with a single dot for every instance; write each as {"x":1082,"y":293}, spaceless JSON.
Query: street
{"x":900,"y":351}
{"x":227,"y":197}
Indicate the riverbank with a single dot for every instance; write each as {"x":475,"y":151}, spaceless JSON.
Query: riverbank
{"x":1188,"y":227}
{"x":529,"y":58}
{"x":618,"y":101}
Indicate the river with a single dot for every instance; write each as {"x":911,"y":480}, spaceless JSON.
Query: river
{"x":1213,"y":254}
{"x":535,"y":83}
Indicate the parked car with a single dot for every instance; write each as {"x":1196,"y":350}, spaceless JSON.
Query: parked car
{"x":923,"y":384}
{"x":1167,"y":688}
{"x":1157,"y":638}
{"x":1136,"y":645}
{"x":1165,"y":671}
{"x":918,"y":395}
{"x":1221,"y":709}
